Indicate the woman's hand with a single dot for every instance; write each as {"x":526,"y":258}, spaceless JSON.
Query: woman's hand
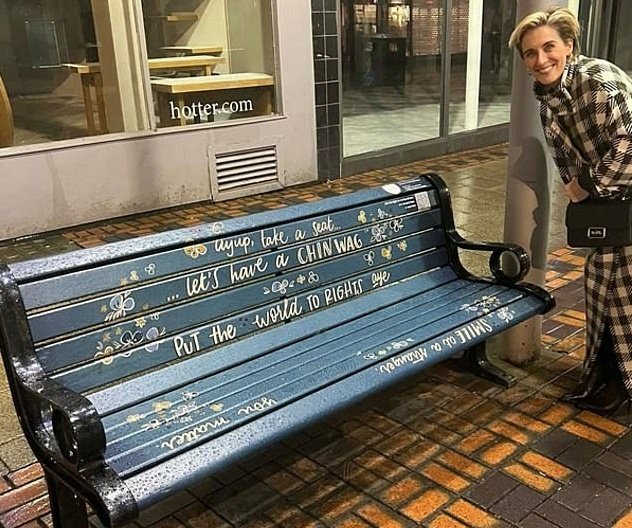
{"x":575,"y":192}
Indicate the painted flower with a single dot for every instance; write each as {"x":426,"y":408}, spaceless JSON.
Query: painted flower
{"x":162,"y":406}
{"x":106,"y":354}
{"x":378,"y":233}
{"x":151,"y":425}
{"x":396,"y":225}
{"x":195,"y":251}
{"x":217,"y":228}
{"x":505,"y":314}
{"x":129,"y":338}
{"x":120,"y":304}
{"x":152,"y":333}
{"x":280,"y":286}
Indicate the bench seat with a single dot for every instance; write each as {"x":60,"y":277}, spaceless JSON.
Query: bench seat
{"x":386,"y":335}
{"x":140,"y":368}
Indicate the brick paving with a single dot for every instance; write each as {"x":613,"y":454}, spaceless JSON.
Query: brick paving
{"x":449,"y":450}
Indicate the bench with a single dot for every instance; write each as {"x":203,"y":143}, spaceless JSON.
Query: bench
{"x":141,"y":367}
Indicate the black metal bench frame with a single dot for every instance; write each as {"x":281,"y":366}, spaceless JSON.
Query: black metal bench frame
{"x":65,"y":430}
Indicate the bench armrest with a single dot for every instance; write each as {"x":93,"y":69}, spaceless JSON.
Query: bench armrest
{"x":456,"y":242}
{"x":61,"y":425}
{"x":497,"y":249}
{"x":71,"y":422}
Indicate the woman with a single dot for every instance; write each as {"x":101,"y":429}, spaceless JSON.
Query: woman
{"x":586,"y":113}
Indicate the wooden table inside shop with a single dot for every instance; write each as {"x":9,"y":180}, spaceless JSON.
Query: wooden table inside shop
{"x":90,"y":74}
{"x":193,"y":50}
{"x":213,"y":88}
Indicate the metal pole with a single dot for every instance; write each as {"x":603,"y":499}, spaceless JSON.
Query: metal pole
{"x":527,"y":205}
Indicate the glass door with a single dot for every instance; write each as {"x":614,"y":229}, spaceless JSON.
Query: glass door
{"x":391,"y":72}
{"x":480,"y":63}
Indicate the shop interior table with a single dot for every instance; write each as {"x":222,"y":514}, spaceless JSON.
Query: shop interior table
{"x":209,"y":89}
{"x":193,"y":50}
{"x":92,"y":81}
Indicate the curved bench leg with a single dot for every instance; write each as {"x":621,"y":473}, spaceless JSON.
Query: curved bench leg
{"x":476,"y":361}
{"x":68,"y":510}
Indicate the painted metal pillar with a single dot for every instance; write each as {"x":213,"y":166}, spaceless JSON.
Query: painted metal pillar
{"x":527,"y":206}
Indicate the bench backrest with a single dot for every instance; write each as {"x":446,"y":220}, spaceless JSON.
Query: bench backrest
{"x":106,"y":314}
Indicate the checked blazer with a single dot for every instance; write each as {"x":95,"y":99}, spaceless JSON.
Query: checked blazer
{"x":587,"y":122}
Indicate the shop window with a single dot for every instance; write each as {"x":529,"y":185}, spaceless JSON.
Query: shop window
{"x":68,"y":69}
{"x":71,"y":69}
{"x":210,"y":61}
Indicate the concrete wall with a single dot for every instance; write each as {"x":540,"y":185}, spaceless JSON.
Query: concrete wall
{"x":73,"y":184}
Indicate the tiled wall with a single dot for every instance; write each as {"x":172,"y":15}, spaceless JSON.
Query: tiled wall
{"x":325,"y":34}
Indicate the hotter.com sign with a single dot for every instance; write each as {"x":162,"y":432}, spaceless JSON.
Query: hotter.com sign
{"x":209,"y":109}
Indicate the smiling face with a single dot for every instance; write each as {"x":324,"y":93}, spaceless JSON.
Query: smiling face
{"x":545,"y":54}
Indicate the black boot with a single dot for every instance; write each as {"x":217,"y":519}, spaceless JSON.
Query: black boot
{"x":614,"y":394}
{"x":608,"y":400}
{"x":590,"y":385}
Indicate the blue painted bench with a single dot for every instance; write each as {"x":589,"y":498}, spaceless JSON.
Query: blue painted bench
{"x":141,"y":367}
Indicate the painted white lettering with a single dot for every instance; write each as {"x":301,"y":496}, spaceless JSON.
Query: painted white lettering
{"x":281,"y":261}
{"x":414,"y":356}
{"x":240,"y":273}
{"x":258,"y":406}
{"x":343,"y":291}
{"x":193,"y":434}
{"x":229,"y":245}
{"x":299,"y":234}
{"x":203,"y":282}
{"x":221,"y":335}
{"x":185,"y":346}
{"x":314,"y":252}
{"x":279,"y":313}
{"x":380,"y":278}
{"x":348,"y":243}
{"x":320,"y":227}
{"x":473,"y":330}
{"x":273,"y":237}
{"x":314,"y":302}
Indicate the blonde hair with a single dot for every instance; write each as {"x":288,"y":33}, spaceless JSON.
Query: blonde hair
{"x":562,"y":19}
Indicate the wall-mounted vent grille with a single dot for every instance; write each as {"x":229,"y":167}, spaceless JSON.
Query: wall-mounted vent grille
{"x":242,"y":169}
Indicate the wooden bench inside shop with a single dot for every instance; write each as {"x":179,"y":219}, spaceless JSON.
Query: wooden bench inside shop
{"x":185,"y":98}
{"x":142,"y":367}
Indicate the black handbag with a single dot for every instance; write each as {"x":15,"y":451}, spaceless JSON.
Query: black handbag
{"x":599,"y":222}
